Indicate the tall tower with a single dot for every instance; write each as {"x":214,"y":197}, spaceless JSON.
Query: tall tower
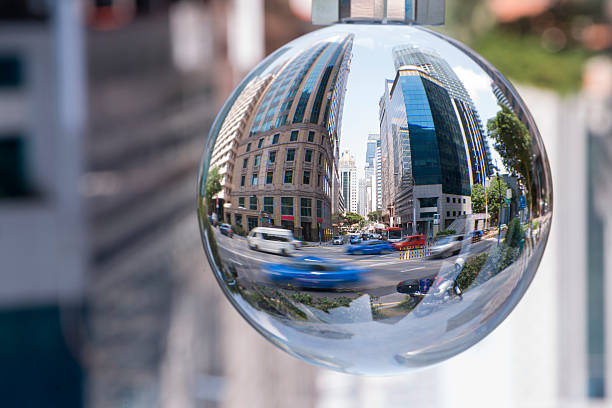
{"x":286,"y":170}
{"x":348,"y":180}
{"x":469,"y":119}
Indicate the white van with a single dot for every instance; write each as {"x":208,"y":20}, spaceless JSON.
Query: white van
{"x":276,"y":240}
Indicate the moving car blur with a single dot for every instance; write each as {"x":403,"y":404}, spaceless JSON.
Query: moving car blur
{"x":316,"y":273}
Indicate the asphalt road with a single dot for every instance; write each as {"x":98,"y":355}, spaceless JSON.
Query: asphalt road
{"x":384,"y":271}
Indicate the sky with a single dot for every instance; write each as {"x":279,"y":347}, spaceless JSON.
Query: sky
{"x":372,"y":63}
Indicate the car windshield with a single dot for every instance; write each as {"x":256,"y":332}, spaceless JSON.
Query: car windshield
{"x":444,"y":241}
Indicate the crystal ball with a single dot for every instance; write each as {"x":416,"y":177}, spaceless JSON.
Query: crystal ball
{"x":374,"y":198}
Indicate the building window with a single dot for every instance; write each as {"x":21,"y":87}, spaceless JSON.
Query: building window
{"x":13,"y":171}
{"x":464,"y":201}
{"x":252,"y":222}
{"x":454,"y":213}
{"x":448,"y":213}
{"x":253,"y":203}
{"x":319,"y":209}
{"x":260,"y":143}
{"x":275,"y":138}
{"x":257,"y":160}
{"x":448,"y":199}
{"x":269,"y":205}
{"x":428,"y":202}
{"x":294,"y":136}
{"x":308,"y":156}
{"x":272,"y":157}
{"x":11,"y":71}
{"x":318,"y":180}
{"x":306,"y":207}
{"x":464,"y":213}
{"x":290,"y":155}
{"x":238,"y":218}
{"x":240,"y":202}
{"x":311,"y":135}
{"x":248,"y":149}
{"x":288,"y":176}
{"x":286,"y":205}
{"x":255,"y":179}
{"x":245,"y":163}
{"x":242,"y":181}
{"x":269,"y":177}
{"x":306,"y":178}
{"x":454,"y":200}
{"x":320,"y":157}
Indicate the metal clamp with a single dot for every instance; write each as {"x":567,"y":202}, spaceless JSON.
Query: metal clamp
{"x":417,"y":12}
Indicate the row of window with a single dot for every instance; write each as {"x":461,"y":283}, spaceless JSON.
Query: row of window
{"x":289,"y":157}
{"x":455,"y":200}
{"x":288,"y":178}
{"x":286,"y":205}
{"x":292,"y":138}
{"x":455,"y":213}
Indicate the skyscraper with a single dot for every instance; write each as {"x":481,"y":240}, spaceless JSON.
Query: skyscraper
{"x":469,"y":120}
{"x":286,"y":167}
{"x":372,"y":149}
{"x":348,"y":180}
{"x":424,"y":152}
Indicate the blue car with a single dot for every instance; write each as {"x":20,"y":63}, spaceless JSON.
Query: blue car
{"x":371,"y":247}
{"x":313,"y":272}
{"x":355,"y":239}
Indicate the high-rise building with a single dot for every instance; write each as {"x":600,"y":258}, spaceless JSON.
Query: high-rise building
{"x":370,"y":170}
{"x":362,"y":199}
{"x":348,"y":181}
{"x":469,"y":120}
{"x":426,"y":152}
{"x":285,"y":170}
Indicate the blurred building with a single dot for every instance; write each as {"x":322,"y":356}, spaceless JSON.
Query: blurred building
{"x":105,"y":297}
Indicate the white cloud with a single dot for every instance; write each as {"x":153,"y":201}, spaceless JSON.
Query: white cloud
{"x":475,"y":83}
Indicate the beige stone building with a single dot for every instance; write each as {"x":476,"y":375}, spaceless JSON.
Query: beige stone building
{"x":285,"y":165}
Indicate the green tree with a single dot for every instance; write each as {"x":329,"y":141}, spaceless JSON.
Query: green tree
{"x":213,"y":186}
{"x":496,"y":193}
{"x":513,"y":143}
{"x":352,"y":218}
{"x":478,"y":199}
{"x":375,"y":216}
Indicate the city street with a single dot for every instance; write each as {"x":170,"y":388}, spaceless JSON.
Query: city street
{"x":384,"y":271}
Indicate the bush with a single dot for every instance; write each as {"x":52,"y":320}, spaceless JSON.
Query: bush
{"x":514,"y":235}
{"x":470,"y":271}
{"x":445,"y":233}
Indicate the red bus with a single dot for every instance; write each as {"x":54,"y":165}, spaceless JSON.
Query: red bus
{"x":394,"y":234}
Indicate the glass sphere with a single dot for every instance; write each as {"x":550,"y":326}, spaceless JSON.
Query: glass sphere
{"x":374,"y":198}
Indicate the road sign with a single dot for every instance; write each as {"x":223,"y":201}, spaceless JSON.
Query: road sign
{"x":436,"y":219}
{"x":523,"y":202}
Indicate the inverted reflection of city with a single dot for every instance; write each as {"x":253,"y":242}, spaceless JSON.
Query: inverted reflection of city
{"x":444,"y":202}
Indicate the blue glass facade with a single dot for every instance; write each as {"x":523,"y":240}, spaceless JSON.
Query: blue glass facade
{"x":428,"y":141}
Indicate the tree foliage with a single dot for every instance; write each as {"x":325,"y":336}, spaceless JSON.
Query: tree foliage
{"x":213,"y":184}
{"x":478,"y":199}
{"x":496,"y":193}
{"x":513,"y":143}
{"x":375,"y":216}
{"x":352,"y":218}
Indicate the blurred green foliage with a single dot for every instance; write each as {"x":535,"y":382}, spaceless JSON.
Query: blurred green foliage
{"x":525,"y":60}
{"x":523,"y":49}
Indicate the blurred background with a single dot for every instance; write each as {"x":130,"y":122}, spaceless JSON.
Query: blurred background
{"x":105,"y":298}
